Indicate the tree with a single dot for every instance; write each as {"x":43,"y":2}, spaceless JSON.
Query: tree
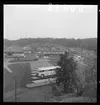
{"x":91,"y":72}
{"x":88,"y":43}
{"x":94,"y":71}
{"x":65,"y":75}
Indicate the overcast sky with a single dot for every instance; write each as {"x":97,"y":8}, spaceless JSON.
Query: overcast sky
{"x":58,"y":21}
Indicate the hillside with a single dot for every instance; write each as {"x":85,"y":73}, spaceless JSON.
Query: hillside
{"x":88,"y":43}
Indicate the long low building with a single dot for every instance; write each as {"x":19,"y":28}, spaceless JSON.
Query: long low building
{"x":16,"y":51}
{"x":54,"y":53}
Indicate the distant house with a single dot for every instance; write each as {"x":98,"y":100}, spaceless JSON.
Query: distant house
{"x":53,"y":49}
{"x":14,"y":51}
{"x":53,"y":53}
{"x":27,"y":50}
{"x":77,"y":58}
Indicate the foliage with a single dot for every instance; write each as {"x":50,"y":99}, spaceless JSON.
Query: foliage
{"x":65,"y":75}
{"x":88,"y":43}
{"x":91,"y":72}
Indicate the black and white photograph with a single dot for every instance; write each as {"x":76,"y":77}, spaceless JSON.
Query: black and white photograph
{"x":50,"y":53}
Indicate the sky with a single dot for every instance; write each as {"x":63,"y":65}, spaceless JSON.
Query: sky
{"x":54,"y":21}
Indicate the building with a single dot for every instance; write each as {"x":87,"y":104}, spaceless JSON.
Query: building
{"x":14,"y":51}
{"x":53,"y":53}
{"x":27,"y":51}
{"x":17,"y":51}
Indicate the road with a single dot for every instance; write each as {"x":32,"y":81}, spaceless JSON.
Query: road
{"x":7,"y":68}
{"x":40,"y":60}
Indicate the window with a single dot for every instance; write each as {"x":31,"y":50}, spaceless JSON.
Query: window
{"x":50,"y":70}
{"x":42,"y":71}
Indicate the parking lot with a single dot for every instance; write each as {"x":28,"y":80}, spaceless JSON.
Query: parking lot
{"x":22,"y":74}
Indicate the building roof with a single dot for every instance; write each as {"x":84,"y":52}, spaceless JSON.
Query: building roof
{"x":26,"y":48}
{"x":47,"y":68}
{"x":14,"y":49}
{"x":54,"y":53}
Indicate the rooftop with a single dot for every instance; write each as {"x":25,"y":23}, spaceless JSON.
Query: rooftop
{"x":47,"y":68}
{"x":14,"y":49}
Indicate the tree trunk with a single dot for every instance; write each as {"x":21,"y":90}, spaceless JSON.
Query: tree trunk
{"x":80,"y":90}
{"x":65,"y":87}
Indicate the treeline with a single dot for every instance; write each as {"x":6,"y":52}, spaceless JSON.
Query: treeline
{"x":88,"y":43}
